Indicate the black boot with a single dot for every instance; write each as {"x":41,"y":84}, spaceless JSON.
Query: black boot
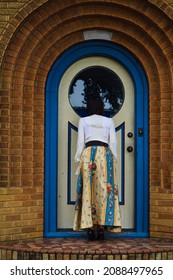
{"x":100,"y":235}
{"x":91,"y":234}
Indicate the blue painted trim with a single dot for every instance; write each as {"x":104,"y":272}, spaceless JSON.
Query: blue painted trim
{"x":75,"y":234}
{"x":122,"y":128}
{"x":132,"y":65}
{"x":70,"y":128}
{"x":51,"y":162}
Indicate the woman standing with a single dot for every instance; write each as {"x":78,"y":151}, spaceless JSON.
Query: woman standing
{"x":97,"y":204}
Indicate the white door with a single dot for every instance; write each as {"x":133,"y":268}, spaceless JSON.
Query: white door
{"x":67,"y":138}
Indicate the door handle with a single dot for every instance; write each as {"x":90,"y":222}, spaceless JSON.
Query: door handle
{"x":129,"y":149}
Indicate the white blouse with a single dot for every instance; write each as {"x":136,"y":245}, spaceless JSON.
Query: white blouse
{"x":98,"y":128}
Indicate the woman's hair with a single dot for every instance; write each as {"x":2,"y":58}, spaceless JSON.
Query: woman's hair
{"x":95,"y":105}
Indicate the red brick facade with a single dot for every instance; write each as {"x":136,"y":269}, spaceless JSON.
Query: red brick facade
{"x":30,"y":43}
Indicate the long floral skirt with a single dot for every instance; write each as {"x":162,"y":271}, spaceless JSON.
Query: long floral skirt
{"x":97,"y":200}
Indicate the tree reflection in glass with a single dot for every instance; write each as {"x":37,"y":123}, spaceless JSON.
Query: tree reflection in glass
{"x":96,"y":81}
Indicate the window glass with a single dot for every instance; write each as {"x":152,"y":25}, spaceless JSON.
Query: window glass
{"x":96,"y":80}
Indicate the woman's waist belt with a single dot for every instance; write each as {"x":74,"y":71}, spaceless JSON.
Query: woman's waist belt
{"x":96,"y":143}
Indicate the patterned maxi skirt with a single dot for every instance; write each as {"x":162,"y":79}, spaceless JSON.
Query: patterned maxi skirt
{"x":97,"y":200}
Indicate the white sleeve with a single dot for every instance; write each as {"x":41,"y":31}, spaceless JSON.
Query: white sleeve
{"x":113,"y":140}
{"x":80,"y":141}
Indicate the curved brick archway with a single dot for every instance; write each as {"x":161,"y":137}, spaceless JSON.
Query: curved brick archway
{"x":36,"y":43}
{"x":19,"y":13}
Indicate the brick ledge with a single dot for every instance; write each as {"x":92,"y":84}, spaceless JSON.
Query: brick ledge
{"x":76,"y":248}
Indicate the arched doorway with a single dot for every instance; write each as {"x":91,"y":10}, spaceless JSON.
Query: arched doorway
{"x":61,"y":133}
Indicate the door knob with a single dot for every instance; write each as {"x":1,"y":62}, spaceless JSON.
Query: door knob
{"x":129,"y":149}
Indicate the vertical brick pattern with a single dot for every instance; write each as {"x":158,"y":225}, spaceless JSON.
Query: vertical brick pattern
{"x":27,"y":55}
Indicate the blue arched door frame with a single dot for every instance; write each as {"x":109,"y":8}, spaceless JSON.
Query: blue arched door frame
{"x":134,"y":68}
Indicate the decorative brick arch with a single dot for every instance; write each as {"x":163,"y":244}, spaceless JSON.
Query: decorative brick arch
{"x":31,"y":6}
{"x":38,"y":40}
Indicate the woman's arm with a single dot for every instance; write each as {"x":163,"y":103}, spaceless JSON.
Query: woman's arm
{"x":80,"y":141}
{"x":113,"y":140}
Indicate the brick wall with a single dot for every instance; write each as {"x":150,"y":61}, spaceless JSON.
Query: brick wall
{"x":33,"y":34}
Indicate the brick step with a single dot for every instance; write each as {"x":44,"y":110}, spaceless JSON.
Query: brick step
{"x":81,"y":249}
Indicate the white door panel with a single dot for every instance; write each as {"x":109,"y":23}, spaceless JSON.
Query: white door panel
{"x":67,"y":140}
